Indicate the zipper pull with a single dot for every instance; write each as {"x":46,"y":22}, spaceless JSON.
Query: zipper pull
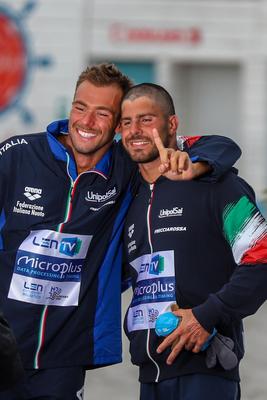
{"x":151,"y":187}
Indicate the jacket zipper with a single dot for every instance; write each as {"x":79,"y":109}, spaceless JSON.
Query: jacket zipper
{"x":151,"y":186}
{"x":44,"y":314}
{"x":68,"y":212}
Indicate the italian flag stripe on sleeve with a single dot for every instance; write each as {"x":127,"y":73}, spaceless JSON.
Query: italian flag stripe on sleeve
{"x":190,"y":140}
{"x":246,"y":231}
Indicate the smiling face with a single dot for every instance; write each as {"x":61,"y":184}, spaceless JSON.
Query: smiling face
{"x":138,"y":118}
{"x":93,"y":119}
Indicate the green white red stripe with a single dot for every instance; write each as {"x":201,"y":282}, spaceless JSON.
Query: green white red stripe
{"x":246,"y":231}
{"x":40,"y":337}
{"x":42,"y":325}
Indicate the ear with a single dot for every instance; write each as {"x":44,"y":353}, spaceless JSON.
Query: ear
{"x":118,"y":129}
{"x":173,"y":124}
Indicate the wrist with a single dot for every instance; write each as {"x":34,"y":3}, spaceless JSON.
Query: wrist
{"x":201,"y":168}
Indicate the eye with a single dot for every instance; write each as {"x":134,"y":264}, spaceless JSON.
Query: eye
{"x":78,"y":107}
{"x":103,"y":114}
{"x":146,"y":120}
{"x":125,"y":123}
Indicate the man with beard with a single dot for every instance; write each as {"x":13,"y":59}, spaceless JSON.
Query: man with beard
{"x":191,"y":246}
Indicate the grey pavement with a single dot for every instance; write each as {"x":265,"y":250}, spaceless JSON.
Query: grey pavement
{"x":120,"y":382}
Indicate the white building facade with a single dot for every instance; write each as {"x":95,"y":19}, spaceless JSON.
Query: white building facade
{"x":210,"y":54}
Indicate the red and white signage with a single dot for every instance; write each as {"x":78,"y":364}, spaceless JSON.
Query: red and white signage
{"x":122,"y":33}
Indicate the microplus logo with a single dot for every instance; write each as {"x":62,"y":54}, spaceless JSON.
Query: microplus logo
{"x":174,"y":212}
{"x":99,"y":198}
{"x":32,"y":193}
{"x":155,"y":267}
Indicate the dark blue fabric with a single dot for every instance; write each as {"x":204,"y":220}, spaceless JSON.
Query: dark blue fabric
{"x":2,"y":223}
{"x":49,"y":384}
{"x":191,"y":387}
{"x":106,"y":301}
{"x":220,"y":152}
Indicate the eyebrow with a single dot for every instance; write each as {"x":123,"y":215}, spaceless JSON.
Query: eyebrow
{"x":97,"y":108}
{"x":140,"y":116}
{"x":78,"y":102}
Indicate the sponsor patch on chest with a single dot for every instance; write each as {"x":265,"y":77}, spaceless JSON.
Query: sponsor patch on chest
{"x":172,"y":212}
{"x":48,"y":268}
{"x":154,"y":289}
{"x":31,"y":207}
{"x":101,"y":199}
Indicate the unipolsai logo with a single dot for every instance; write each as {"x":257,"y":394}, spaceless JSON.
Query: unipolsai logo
{"x":174,"y":212}
{"x":16,"y":59}
{"x":100,"y":197}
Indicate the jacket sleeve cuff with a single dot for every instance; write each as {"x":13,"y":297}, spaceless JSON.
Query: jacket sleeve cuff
{"x":209,"y":313}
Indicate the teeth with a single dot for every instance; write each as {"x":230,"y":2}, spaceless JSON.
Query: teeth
{"x":86,"y":134}
{"x":139,"y":143}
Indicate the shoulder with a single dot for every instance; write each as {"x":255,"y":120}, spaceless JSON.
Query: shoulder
{"x":232,"y":187}
{"x":21,"y":142}
{"x":19,"y":149}
{"x":121,"y":157}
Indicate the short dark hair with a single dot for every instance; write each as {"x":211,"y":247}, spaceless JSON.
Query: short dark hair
{"x":155,"y":92}
{"x":105,"y":74}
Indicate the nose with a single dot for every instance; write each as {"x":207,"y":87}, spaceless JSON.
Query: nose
{"x":89,"y":118}
{"x":135,"y":126}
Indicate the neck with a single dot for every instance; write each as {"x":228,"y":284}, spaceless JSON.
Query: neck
{"x":85,"y":162}
{"x":150,"y":171}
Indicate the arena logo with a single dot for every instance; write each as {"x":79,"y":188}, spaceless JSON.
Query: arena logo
{"x":32,"y":193}
{"x":16,"y":60}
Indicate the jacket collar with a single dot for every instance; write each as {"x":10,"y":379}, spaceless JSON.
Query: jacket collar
{"x":57,"y":128}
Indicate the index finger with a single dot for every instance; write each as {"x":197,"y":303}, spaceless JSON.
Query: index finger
{"x":157,"y":139}
{"x":163,"y":152}
{"x":168,"y":341}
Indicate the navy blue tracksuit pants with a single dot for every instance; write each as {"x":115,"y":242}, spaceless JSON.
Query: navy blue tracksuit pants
{"x":191,"y":387}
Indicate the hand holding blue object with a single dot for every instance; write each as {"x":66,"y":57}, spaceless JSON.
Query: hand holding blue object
{"x":218,"y":348}
{"x":167,"y":322}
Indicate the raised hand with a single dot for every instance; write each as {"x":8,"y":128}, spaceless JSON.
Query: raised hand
{"x":176,"y":164}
